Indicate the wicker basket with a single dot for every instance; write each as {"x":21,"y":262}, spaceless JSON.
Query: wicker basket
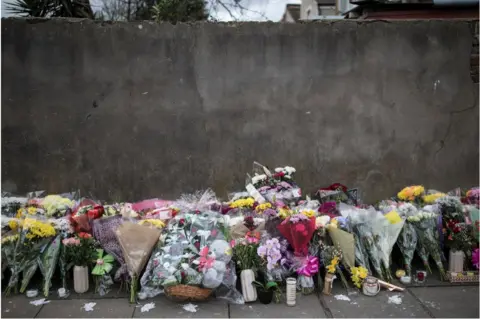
{"x":464,"y":276}
{"x":187,"y":293}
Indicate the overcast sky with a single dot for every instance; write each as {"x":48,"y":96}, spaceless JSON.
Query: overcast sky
{"x":256,"y":10}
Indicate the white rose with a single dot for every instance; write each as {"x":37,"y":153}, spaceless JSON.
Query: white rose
{"x":278,"y":170}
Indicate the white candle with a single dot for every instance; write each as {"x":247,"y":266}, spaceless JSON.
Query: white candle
{"x":291,"y":291}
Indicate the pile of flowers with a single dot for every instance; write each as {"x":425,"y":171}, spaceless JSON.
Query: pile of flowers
{"x":269,"y":228}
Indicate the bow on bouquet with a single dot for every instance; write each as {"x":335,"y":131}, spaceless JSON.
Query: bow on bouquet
{"x":298,"y":229}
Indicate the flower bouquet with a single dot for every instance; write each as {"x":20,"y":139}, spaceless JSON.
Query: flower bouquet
{"x":56,"y":205}
{"x":137,"y":243}
{"x":412,"y":194}
{"x":101,"y":272}
{"x":298,"y":229}
{"x":23,"y":245}
{"x":425,"y":226}
{"x":331,"y":257}
{"x":48,"y":262}
{"x":193,"y":259}
{"x":273,"y":253}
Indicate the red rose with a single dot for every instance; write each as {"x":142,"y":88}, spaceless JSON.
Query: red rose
{"x":279,"y":174}
{"x":456,"y":229}
{"x":96,"y":212}
{"x":181,"y":222}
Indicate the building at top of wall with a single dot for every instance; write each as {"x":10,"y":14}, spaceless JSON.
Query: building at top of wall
{"x":414,"y":9}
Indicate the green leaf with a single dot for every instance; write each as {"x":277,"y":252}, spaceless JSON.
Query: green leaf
{"x":258,"y":284}
{"x":99,"y":253}
{"x":271,"y":284}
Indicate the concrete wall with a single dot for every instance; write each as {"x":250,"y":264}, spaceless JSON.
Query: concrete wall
{"x":128,"y":111}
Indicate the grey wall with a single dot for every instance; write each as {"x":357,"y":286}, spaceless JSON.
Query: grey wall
{"x":128,"y":111}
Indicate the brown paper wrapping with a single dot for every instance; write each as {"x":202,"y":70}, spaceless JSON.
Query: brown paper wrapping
{"x":137,"y":243}
{"x":346,"y":242}
{"x":239,"y":230}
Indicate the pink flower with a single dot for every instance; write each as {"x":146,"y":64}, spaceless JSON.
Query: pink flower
{"x":205,"y":260}
{"x":232,"y":243}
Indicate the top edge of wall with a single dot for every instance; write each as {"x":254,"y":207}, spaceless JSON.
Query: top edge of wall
{"x":230,"y":23}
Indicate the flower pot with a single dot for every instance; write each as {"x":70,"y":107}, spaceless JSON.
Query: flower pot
{"x":265,"y":296}
{"x":249,"y":292}
{"x":80,"y":279}
{"x":456,"y":261}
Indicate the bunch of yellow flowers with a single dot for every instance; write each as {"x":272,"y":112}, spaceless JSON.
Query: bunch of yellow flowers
{"x":430,"y":199}
{"x":9,"y":239}
{"x":358,"y":275}
{"x":333,"y":265}
{"x":38,"y":229}
{"x":411,"y":192}
{"x":285,"y":212}
{"x":243,"y":203}
{"x":262,"y":207}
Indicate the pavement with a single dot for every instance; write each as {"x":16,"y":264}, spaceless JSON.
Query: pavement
{"x":434,"y":301}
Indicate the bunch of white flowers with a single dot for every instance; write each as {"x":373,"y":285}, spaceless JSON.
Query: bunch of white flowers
{"x":421,"y":216}
{"x":287,"y":170}
{"x":407,"y":210}
{"x":258,"y":178}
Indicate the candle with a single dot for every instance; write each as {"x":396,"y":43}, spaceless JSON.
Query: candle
{"x":291,"y":291}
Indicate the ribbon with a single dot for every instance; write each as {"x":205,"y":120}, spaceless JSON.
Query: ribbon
{"x":309,"y":267}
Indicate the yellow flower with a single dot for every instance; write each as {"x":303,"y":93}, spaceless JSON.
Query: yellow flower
{"x":37,"y":228}
{"x":309,"y":213}
{"x":14,"y":224}
{"x":154,"y":222}
{"x":334,"y":223}
{"x":31,"y":210}
{"x":9,"y":239}
{"x":409,"y":193}
{"x":20,"y":213}
{"x":358,"y":275}
{"x":284,"y":213}
{"x":263,"y":207}
{"x":241,"y":203}
{"x":430,"y":199}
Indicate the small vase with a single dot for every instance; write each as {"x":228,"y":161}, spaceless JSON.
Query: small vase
{"x":328,"y":283}
{"x":249,"y":292}
{"x":456,"y":261}
{"x":80,"y":279}
{"x":265,"y":296}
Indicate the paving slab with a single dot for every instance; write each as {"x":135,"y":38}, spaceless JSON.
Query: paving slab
{"x":165,"y":308}
{"x":306,"y":307}
{"x":19,"y":307}
{"x":108,"y":308}
{"x":449,"y":302}
{"x":360,"y":306}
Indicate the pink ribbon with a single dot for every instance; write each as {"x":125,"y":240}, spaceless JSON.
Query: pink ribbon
{"x":309,"y":267}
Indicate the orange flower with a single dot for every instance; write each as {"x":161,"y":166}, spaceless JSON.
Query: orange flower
{"x":84,"y":235}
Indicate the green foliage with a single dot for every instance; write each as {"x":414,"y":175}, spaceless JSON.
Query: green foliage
{"x":246,"y":257}
{"x":179,"y":10}
{"x":83,"y":254}
{"x":51,"y":8}
{"x":269,"y":285}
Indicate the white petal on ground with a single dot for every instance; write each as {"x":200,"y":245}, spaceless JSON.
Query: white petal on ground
{"x":89,"y":306}
{"x":39,"y":302}
{"x":147,"y":307}
{"x":190,"y":307}
{"x":396,"y":299}
{"x":342,"y":297}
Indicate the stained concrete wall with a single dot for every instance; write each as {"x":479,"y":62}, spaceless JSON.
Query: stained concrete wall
{"x":128,"y":111}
